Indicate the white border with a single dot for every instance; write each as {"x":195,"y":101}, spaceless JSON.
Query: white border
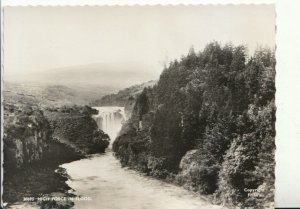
{"x":287,"y":82}
{"x":126,"y":2}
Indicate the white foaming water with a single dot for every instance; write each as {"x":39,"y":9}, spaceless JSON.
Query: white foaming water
{"x":106,"y":185}
{"x":109,"y":119}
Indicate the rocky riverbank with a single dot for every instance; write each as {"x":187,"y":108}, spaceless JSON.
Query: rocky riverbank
{"x":37,"y":140}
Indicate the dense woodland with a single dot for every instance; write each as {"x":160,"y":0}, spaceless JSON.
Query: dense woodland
{"x":209,"y":125}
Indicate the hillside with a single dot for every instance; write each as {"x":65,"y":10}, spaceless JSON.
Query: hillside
{"x":208,"y":125}
{"x":45,"y":94}
{"x":109,"y":76}
{"x":125,"y":97}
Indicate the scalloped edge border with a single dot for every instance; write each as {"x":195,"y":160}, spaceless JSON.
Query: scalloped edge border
{"x":133,"y":2}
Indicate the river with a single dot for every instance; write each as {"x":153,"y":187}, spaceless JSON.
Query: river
{"x":99,"y":181}
{"x":106,"y":185}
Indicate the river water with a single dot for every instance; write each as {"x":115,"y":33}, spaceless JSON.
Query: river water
{"x":102,"y":183}
{"x":99,"y":181}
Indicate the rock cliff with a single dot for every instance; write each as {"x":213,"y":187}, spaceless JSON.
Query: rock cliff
{"x":37,"y":140}
{"x":26,"y":136}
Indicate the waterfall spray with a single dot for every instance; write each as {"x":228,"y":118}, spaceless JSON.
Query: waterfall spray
{"x":109,"y":119}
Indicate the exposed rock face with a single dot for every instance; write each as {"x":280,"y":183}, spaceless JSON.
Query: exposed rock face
{"x":26,"y":136}
{"x":36,"y":142}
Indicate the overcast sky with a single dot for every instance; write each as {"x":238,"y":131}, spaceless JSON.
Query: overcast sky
{"x":38,"y":39}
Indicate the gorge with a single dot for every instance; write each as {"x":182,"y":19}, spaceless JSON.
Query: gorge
{"x":207,"y":126}
{"x":103,"y":182}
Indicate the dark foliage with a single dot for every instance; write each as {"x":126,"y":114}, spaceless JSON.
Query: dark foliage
{"x":210,"y":122}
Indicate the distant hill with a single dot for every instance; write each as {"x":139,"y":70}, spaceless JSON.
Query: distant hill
{"x":125,"y":98}
{"x":113,"y":75}
{"x":46,"y":94}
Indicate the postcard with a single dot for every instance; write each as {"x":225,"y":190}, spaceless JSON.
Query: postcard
{"x":139,"y":107}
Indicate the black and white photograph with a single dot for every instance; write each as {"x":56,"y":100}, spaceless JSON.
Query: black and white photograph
{"x":139,"y":107}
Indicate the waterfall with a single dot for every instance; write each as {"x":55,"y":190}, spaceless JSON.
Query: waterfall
{"x":109,"y":119}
